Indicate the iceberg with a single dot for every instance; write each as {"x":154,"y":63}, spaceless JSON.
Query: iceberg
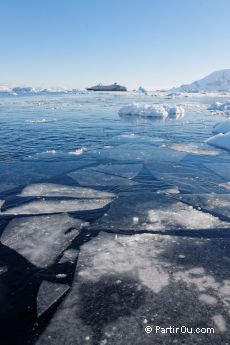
{"x":41,"y":239}
{"x":157,"y":111}
{"x":220,"y":140}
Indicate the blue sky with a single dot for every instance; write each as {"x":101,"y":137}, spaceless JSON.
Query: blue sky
{"x":77,"y":43}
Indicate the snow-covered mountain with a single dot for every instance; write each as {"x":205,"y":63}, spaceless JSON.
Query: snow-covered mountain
{"x":216,"y":81}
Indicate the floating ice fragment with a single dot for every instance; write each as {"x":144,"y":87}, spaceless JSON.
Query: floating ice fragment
{"x":78,"y":152}
{"x":222,"y":127}
{"x":220,"y":106}
{"x":3,"y":269}
{"x":220,"y":140}
{"x":48,"y":294}
{"x":40,"y":239}
{"x":56,"y":206}
{"x":51,"y":189}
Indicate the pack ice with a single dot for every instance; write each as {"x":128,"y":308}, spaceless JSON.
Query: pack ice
{"x":40,"y":239}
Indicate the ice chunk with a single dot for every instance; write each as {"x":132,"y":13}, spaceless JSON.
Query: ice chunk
{"x":69,"y":255}
{"x":44,"y":206}
{"x":123,"y":282}
{"x":146,"y":110}
{"x":48,"y":294}
{"x":92,"y":177}
{"x":220,"y":106}
{"x":3,"y":269}
{"x":175,"y":112}
{"x":222,"y":127}
{"x":40,"y":239}
{"x":51,"y":189}
{"x":193,"y":149}
{"x":159,"y":111}
{"x":1,"y":203}
{"x":142,"y":152}
{"x":155,"y":212}
{"x":220,"y":140}
{"x":78,"y":152}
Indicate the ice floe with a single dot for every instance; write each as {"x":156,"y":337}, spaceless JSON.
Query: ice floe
{"x":48,"y":294}
{"x":44,"y":206}
{"x":221,"y":169}
{"x":40,"y":239}
{"x":155,"y":110}
{"x":52,"y":190}
{"x":155,"y":212}
{"x":142,"y":152}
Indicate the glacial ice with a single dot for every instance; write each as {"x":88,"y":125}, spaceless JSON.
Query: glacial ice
{"x":52,"y":190}
{"x":155,"y":212}
{"x":156,"y":110}
{"x":48,"y":294}
{"x":44,"y":206}
{"x":40,"y":239}
{"x":220,"y":140}
{"x":222,"y":127}
{"x":123,"y":283}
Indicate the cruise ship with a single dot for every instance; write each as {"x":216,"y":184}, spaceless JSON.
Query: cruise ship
{"x":113,"y":87}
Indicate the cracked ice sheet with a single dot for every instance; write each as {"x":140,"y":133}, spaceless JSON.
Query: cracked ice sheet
{"x":218,"y":203}
{"x":51,"y":189}
{"x":221,"y":169}
{"x":142,"y":152}
{"x":124,"y":170}
{"x":56,"y":206}
{"x":48,"y":294}
{"x":189,"y":179}
{"x":155,"y":212}
{"x":123,"y":283}
{"x":40,"y":239}
{"x":92,"y":177}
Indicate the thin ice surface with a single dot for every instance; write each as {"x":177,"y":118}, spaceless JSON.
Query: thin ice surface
{"x":92,"y":177}
{"x":123,"y":283}
{"x":40,"y":239}
{"x":155,"y":212}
